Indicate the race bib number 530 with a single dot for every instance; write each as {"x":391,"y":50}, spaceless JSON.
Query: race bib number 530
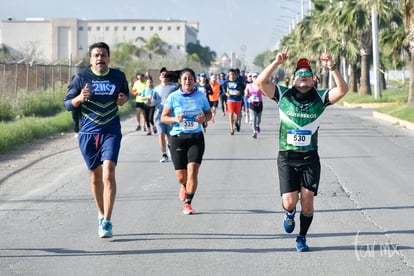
{"x":300,"y":138}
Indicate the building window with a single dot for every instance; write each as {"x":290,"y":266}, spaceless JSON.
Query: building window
{"x":178,"y":28}
{"x":107,"y":28}
{"x":134,"y":28}
{"x":178,"y":47}
{"x":169,"y":47}
{"x":89,"y":28}
{"x":169,"y":28}
{"x":125,"y":28}
{"x":142,"y":28}
{"x":98,"y":28}
{"x":80,"y":28}
{"x":160,"y":28}
{"x":116,"y":28}
{"x":151,"y":28}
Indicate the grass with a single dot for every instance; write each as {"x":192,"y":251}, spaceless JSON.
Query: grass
{"x":399,"y":95}
{"x":400,"y":111}
{"x":27,"y":129}
{"x":396,"y":100}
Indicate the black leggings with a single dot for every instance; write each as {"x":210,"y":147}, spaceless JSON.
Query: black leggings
{"x":149,"y":115}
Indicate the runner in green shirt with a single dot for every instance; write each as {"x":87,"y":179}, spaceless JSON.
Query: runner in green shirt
{"x":300,"y":110}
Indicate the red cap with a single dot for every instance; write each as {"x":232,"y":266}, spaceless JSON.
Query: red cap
{"x":303,"y":63}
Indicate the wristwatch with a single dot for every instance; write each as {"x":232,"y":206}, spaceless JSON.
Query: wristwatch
{"x":332,"y":68}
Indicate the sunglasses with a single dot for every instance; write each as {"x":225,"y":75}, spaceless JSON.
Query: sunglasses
{"x":303,"y":73}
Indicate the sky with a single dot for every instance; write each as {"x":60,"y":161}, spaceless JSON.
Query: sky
{"x":246,"y":27}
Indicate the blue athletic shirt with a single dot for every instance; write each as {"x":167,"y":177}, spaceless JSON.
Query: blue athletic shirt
{"x":232,"y":87}
{"x":100,"y":112}
{"x":191,"y":105}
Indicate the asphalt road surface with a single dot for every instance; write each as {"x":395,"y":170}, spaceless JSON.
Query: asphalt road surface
{"x":363,"y":224}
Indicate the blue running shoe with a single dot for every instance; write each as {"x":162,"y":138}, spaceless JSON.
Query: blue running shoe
{"x":301,"y":244}
{"x":105,"y":230}
{"x":100,"y":219}
{"x":289,"y":221}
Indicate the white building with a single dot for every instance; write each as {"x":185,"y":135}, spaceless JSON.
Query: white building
{"x":64,"y":38}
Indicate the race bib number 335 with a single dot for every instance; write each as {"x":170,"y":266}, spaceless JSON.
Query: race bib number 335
{"x":188,"y":125}
{"x":300,"y":138}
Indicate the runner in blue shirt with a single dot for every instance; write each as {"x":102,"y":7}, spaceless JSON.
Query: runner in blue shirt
{"x":187,"y":109}
{"x":98,"y":91}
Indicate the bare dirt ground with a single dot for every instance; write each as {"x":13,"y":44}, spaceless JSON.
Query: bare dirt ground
{"x":17,"y":160}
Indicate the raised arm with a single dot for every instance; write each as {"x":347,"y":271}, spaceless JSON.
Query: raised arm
{"x":336,"y":93}
{"x":262,"y":82}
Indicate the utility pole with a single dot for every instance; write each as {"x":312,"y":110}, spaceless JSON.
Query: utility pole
{"x":375,"y":51}
{"x":302,"y":10}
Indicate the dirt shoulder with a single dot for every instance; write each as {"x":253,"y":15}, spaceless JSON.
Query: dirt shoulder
{"x":23,"y":157}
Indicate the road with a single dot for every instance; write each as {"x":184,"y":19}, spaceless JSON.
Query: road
{"x":363,"y":223}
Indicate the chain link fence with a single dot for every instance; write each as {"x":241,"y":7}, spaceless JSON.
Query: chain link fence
{"x":27,"y":78}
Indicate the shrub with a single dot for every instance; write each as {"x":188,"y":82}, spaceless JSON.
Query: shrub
{"x":6,"y":112}
{"x":42,"y":103}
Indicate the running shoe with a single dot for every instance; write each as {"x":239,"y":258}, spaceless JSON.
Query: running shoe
{"x":138,"y":128}
{"x":154,"y":129}
{"x":100,"y":219}
{"x":183,"y":192}
{"x":164,"y":158}
{"x":188,"y":210}
{"x":237,"y":127}
{"x":149,"y":132}
{"x":254,"y":135}
{"x":258,"y":129}
{"x":301,"y":244}
{"x":289,"y":221}
{"x":105,"y":230}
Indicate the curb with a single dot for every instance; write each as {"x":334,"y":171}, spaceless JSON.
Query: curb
{"x":366,"y":105}
{"x":393,"y":120}
{"x":382,"y":116}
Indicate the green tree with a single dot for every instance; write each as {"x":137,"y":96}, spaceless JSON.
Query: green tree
{"x":155,"y":45}
{"x":125,"y":56}
{"x":261,"y":60}
{"x":4,"y":53}
{"x":205,"y":55}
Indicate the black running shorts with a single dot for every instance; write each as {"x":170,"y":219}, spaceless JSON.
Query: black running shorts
{"x":297,"y":169}
{"x":187,"y":148}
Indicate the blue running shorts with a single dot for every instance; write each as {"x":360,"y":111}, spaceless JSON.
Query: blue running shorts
{"x":98,"y":147}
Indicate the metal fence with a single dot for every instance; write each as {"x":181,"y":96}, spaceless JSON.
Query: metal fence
{"x":28,"y":77}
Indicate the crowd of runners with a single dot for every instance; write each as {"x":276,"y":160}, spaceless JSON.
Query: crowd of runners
{"x":179,"y":111}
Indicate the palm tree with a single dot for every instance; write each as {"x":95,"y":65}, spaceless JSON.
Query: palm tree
{"x":409,"y":25}
{"x":155,"y":45}
{"x":355,"y":18}
{"x":393,"y":42}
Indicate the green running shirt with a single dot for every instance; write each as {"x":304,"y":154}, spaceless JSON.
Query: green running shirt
{"x":300,"y":117}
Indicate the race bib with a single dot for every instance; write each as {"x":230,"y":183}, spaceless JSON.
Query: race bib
{"x":300,"y":138}
{"x":233,"y":92}
{"x":188,"y":125}
{"x":254,"y":99}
